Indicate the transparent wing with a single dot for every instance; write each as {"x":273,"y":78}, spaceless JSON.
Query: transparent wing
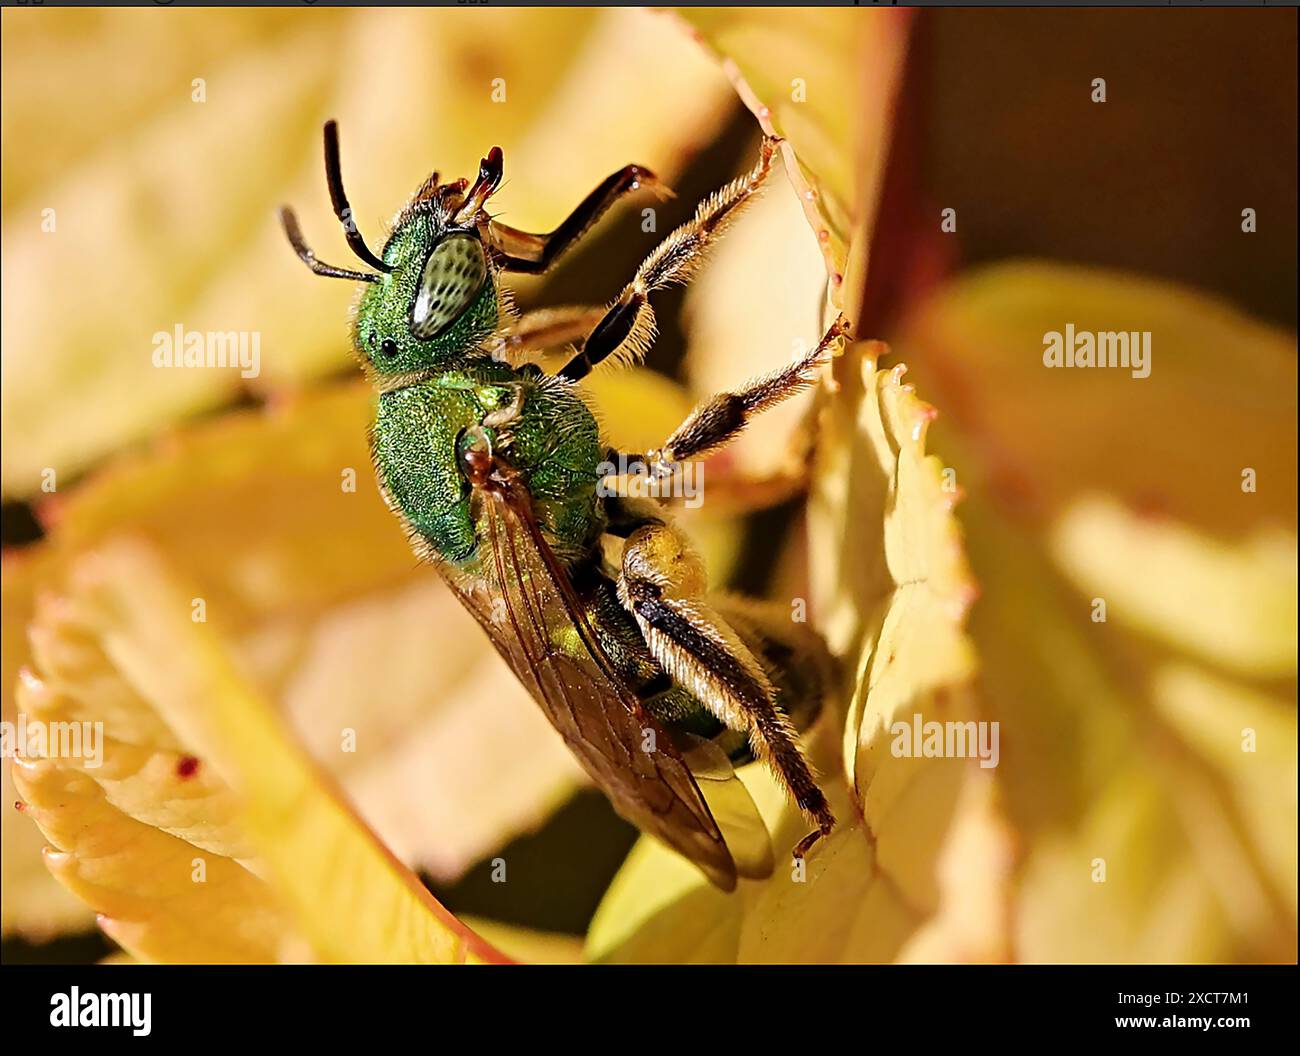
{"x":534,"y":618}
{"x":731,"y":805}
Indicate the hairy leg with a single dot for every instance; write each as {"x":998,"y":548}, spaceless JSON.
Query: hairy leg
{"x":629,"y":325}
{"x":663,"y":585}
{"x":719,"y":420}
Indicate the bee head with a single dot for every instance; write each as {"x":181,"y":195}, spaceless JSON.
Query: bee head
{"x":432,"y":298}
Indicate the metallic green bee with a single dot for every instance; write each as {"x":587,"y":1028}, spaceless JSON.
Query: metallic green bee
{"x":498,"y":473}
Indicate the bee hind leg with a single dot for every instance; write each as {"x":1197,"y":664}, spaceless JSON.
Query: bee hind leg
{"x":719,"y":420}
{"x":662,"y":584}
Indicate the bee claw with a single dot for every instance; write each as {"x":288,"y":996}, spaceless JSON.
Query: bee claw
{"x":805,"y":845}
{"x":647,"y":180}
{"x":771,"y":144}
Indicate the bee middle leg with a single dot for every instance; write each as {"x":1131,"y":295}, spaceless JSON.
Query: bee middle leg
{"x":629,"y":323}
{"x":662,"y":584}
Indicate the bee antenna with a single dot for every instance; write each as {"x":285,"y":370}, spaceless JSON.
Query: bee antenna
{"x":339,"y":199}
{"x":294,"y":233}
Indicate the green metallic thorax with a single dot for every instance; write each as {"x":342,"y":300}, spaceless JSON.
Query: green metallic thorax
{"x":432,"y":390}
{"x":554,"y":442}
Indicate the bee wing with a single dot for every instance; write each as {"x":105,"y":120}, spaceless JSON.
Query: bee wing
{"x":731,"y":805}
{"x":534,"y":618}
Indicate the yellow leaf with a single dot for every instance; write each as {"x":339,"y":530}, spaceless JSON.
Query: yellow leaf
{"x":887,"y":555}
{"x":319,"y":591}
{"x":1233,"y":604}
{"x":527,"y":944}
{"x":1136,"y":626}
{"x":1219,"y":399}
{"x":1249,"y":739}
{"x":658,"y":910}
{"x":236,"y":849}
{"x":891,"y":588}
{"x":33,"y":905}
{"x":825,"y":80}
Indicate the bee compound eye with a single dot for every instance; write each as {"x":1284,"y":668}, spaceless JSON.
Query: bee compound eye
{"x":451,"y":280}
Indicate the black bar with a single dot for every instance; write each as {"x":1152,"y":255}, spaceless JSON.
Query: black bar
{"x":876,"y":1005}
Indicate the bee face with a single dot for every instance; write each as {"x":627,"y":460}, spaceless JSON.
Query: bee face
{"x":436,"y":305}
{"x":430,"y":298}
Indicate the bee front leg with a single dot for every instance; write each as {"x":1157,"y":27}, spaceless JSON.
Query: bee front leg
{"x":532,"y":254}
{"x":505,"y":416}
{"x":546,"y":328}
{"x":663,"y":584}
{"x":719,"y":420}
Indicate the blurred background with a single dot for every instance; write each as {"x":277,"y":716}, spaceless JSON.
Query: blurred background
{"x":144,"y":156}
